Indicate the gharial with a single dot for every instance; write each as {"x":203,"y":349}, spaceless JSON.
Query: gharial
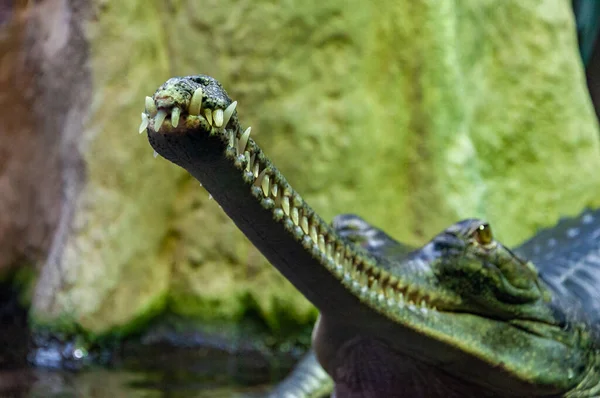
{"x":462,"y":316}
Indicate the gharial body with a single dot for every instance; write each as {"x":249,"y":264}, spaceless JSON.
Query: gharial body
{"x":462,"y":316}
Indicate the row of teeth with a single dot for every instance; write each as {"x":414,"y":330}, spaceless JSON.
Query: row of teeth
{"x":369,"y":283}
{"x":217,"y":118}
{"x":366,"y":281}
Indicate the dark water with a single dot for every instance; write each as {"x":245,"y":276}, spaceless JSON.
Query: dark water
{"x":159,"y":366}
{"x":29,"y":382}
{"x":161,"y":372}
{"x":111,"y":383}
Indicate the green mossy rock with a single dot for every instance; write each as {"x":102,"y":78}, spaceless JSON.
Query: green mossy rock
{"x":411,"y":114}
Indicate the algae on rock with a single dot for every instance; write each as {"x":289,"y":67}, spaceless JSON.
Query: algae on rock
{"x":411,"y":114}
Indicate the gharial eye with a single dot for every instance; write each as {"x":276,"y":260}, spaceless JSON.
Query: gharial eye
{"x":483,"y":234}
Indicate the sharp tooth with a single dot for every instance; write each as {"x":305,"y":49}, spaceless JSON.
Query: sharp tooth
{"x":285,"y":205}
{"x":389,"y":292}
{"x":330,"y":251}
{"x":248,"y":164}
{"x":218,"y":118}
{"x":265,"y":184}
{"x":150,"y":106}
{"x":155,"y":154}
{"x":321,"y":239}
{"x":375,"y":286}
{"x":144,"y":124}
{"x":256,"y":169}
{"x":295,"y":215}
{"x":344,"y":263}
{"x":159,"y":119}
{"x":338,"y":256}
{"x":248,"y":161}
{"x":400,"y":299}
{"x":259,"y":179}
{"x":244,"y":140}
{"x":228,"y":112}
{"x":304,"y":225}
{"x":274,"y":190}
{"x":232,"y":143}
{"x":313,"y":233}
{"x":196,"y":102}
{"x":409,"y":292}
{"x":208,"y":114}
{"x":175,"y":116}
{"x":364,"y":279}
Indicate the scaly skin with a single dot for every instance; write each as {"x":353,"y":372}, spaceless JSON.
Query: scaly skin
{"x":461,"y":316}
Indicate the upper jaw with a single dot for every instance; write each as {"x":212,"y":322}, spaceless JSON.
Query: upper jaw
{"x":251,"y":191}
{"x":197,"y":103}
{"x":187,"y":103}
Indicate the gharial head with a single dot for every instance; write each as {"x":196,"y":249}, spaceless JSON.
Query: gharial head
{"x":464,"y":269}
{"x":463,"y":302}
{"x":465,"y":291}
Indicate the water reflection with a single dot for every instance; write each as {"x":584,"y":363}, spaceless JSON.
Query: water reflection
{"x":156,"y":371}
{"x":36,"y":383}
{"x":163,"y":363}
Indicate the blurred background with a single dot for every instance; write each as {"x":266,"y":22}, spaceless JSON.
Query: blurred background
{"x":120,"y":277}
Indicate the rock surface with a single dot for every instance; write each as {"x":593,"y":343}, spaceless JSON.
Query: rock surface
{"x":42,"y":113}
{"x":411,"y":114}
